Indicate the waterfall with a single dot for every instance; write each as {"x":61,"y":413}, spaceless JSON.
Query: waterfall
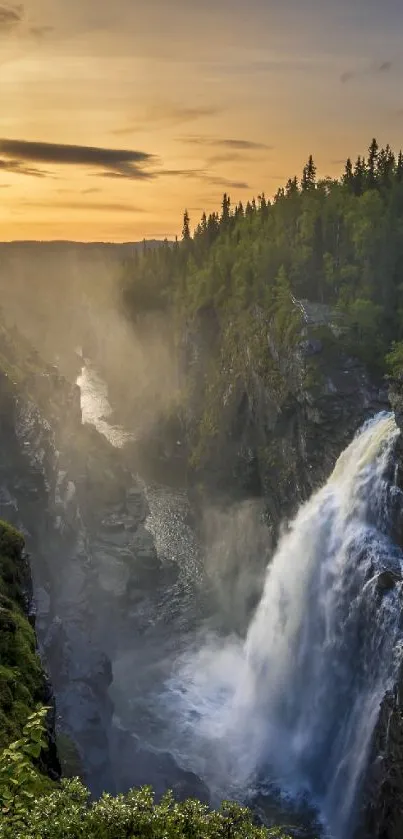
{"x":297,"y":701}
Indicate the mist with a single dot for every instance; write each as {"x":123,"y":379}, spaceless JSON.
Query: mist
{"x":67,"y":300}
{"x":148,"y":579}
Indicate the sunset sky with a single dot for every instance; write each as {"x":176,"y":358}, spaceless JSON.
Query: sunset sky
{"x":115,"y":115}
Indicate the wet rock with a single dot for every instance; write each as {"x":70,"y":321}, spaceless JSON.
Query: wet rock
{"x":387,"y":580}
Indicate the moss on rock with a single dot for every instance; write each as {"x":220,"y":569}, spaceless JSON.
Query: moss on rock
{"x":22,"y":681}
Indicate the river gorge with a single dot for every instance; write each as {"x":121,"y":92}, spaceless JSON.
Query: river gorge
{"x":227,"y":637}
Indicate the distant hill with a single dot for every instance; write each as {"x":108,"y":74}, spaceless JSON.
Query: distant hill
{"x":114,"y":250}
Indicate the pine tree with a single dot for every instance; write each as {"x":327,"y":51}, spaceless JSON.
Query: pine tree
{"x":225,"y":210}
{"x":186,"y":227}
{"x":385,"y":166}
{"x":291,"y":187}
{"x":371,"y":165}
{"x":359,"y":176}
{"x":239,"y":212}
{"x":308,"y":180}
{"x":399,"y":167}
{"x":263,"y":206}
{"x":348,"y":176}
{"x":213,"y":227}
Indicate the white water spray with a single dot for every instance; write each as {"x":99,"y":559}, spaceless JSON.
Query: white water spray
{"x":298,"y":700}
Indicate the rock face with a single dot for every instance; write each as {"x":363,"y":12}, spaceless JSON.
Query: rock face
{"x":382,"y":811}
{"x":382,"y":816}
{"x":93,"y":562}
{"x":281,"y":447}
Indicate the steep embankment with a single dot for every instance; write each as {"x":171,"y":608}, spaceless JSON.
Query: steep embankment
{"x":97,"y":579}
{"x":23,"y":683}
{"x":272,"y":433}
{"x":382,"y":814}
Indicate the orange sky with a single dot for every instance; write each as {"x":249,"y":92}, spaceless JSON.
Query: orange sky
{"x":180,"y":101}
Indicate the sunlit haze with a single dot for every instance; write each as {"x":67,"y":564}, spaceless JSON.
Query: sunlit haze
{"x":180,"y":101}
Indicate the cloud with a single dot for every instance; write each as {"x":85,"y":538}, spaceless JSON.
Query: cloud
{"x":90,"y":191}
{"x":377,"y":68}
{"x":226,"y":143}
{"x":347,"y":76}
{"x":184,"y":173}
{"x":10,"y":17}
{"x":384,"y":67}
{"x":229,"y":157}
{"x":86,"y":205}
{"x":17,"y":167}
{"x":41,"y":32}
{"x":227,"y":183}
{"x":121,"y":163}
{"x":168,"y":114}
{"x":203,"y":175}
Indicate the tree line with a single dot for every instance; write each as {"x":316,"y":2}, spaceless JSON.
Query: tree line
{"x":335,"y":241}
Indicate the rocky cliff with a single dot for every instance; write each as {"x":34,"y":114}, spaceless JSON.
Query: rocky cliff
{"x":277,"y":441}
{"x":382,"y":810}
{"x":93,"y":562}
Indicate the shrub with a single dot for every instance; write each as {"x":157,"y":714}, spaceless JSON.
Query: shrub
{"x":30,"y":812}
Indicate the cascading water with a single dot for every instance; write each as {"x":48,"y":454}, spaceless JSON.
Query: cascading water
{"x":96,"y":409}
{"x":298,"y":700}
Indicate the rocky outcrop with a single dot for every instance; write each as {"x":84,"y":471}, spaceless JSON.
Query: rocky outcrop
{"x":381,"y":814}
{"x":382,"y":811}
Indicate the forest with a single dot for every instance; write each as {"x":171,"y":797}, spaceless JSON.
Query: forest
{"x":331,"y":241}
{"x":335,"y":241}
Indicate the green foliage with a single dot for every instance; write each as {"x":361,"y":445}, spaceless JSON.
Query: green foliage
{"x":29,"y":812}
{"x":20,"y":782}
{"x":334,"y":242}
{"x":21,"y":676}
{"x":394,"y":359}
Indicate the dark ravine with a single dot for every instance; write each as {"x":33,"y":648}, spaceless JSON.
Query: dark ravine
{"x":82,"y":515}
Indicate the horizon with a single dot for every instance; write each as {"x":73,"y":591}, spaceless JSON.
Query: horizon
{"x":114,"y":120}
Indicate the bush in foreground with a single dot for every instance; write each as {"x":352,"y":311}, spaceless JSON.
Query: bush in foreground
{"x":66,"y":812}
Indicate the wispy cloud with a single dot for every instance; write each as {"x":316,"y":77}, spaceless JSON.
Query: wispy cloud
{"x":226,"y":143}
{"x":114,"y":207}
{"x":40,"y":32}
{"x":226,"y":182}
{"x":17,"y":167}
{"x":204,"y":176}
{"x":377,"y":68}
{"x":10,"y":17}
{"x":166,"y":114}
{"x":121,"y":163}
{"x":384,"y":67}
